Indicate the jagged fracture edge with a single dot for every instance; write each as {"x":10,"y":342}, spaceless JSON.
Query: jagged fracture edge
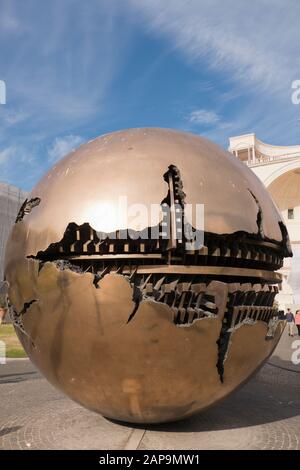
{"x":223,"y":341}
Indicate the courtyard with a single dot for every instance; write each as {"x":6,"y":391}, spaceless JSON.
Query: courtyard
{"x":264,"y":414}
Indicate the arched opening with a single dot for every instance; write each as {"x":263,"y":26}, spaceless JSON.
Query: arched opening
{"x":285,"y":191}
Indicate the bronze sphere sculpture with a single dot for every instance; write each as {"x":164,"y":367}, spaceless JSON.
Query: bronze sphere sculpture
{"x":130,"y":316}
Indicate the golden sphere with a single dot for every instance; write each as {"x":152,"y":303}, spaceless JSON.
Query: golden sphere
{"x":127,"y":315}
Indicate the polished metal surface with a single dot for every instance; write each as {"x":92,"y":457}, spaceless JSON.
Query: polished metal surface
{"x":216,"y":271}
{"x":137,"y":330}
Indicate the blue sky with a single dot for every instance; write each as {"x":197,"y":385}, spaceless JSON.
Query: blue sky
{"x":75,"y":70}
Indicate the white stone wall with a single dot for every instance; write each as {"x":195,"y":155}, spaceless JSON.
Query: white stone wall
{"x":269,"y":164}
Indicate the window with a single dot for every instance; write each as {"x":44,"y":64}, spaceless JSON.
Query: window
{"x":290,"y":214}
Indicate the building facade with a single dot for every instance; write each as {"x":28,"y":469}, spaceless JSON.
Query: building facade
{"x":11,"y":199}
{"x":279,"y":169}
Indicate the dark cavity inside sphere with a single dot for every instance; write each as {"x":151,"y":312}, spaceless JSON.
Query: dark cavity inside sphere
{"x":139,"y":329}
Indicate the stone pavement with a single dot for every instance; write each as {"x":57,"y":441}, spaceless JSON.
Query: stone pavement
{"x":264,"y":414}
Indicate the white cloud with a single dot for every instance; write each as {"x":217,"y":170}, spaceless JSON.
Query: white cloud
{"x":62,"y":146}
{"x":255,"y":43}
{"x":6,"y":154}
{"x":14,"y":155}
{"x":9,"y":24}
{"x":61,"y":87}
{"x":203,"y":116}
{"x":19,"y":165}
{"x":16,"y":117}
{"x":251,"y":48}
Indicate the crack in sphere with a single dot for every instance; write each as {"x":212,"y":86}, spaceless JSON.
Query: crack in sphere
{"x":147,"y":321}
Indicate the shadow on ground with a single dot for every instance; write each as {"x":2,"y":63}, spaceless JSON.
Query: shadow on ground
{"x":5,"y":431}
{"x":273,"y":394}
{"x":15,"y":378}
